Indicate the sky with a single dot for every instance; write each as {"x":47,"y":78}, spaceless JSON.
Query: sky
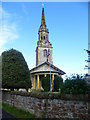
{"x":67,"y":23}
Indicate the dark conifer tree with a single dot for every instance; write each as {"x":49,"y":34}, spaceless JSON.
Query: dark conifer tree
{"x":15,"y":71}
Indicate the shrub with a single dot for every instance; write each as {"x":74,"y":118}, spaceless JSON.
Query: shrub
{"x":58,"y":81}
{"x":15,"y":72}
{"x":76,"y":85}
{"x":45,"y":83}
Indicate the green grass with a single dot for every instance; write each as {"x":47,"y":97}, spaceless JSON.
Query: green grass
{"x":18,"y":113}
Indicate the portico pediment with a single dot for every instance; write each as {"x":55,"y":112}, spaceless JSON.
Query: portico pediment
{"x":46,"y":67}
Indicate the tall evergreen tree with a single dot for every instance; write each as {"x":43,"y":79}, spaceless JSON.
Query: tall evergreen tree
{"x":15,"y":71}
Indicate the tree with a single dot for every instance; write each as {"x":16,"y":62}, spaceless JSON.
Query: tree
{"x":88,"y":67}
{"x":15,"y":72}
{"x":88,"y":52}
{"x":58,"y":81}
{"x":45,"y":83}
{"x":75,"y":85}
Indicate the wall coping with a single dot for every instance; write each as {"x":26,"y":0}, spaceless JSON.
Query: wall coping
{"x":48,"y":95}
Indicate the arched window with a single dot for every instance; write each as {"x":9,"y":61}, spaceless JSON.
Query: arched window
{"x":45,"y":53}
{"x":41,"y":37}
{"x":44,"y":37}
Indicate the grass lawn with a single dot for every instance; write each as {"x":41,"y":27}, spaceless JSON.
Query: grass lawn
{"x":18,"y":113}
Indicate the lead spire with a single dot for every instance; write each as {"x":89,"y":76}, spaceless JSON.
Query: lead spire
{"x":43,"y":17}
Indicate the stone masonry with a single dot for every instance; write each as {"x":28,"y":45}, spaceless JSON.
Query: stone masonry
{"x":49,"y":108}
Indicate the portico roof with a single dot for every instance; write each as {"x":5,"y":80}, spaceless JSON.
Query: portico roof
{"x":46,"y":67}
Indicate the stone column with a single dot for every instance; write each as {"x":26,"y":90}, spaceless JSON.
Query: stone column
{"x":34,"y":82}
{"x":38,"y":82}
{"x":45,"y":75}
{"x":52,"y":82}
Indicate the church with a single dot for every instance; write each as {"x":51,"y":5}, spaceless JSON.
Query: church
{"x":44,"y":58}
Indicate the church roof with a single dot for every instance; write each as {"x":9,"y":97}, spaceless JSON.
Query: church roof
{"x":41,"y":68}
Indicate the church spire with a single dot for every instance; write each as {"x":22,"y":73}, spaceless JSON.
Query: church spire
{"x":43,"y":39}
{"x":43,"y":16}
{"x":43,"y":43}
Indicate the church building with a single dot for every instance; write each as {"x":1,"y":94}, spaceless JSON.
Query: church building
{"x":44,"y":58}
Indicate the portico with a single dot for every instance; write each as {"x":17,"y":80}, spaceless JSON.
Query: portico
{"x":44,"y":58}
{"x":42,"y":71}
{"x":37,"y":82}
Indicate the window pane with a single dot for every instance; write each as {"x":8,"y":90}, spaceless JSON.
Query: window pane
{"x":45,"y":53}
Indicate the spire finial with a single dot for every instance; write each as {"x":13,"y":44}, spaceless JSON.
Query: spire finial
{"x":43,"y":5}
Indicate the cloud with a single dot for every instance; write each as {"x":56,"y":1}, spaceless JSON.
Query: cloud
{"x":25,"y":11}
{"x":8,"y":29}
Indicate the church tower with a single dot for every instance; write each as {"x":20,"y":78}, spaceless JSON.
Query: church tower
{"x":44,"y":47}
{"x":44,"y":61}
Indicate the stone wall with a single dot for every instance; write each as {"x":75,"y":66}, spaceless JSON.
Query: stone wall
{"x":49,"y":108}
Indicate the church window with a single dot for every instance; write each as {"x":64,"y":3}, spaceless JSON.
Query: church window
{"x":44,"y":37}
{"x":45,"y":53}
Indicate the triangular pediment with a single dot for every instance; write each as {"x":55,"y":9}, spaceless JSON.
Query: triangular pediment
{"x":46,"y":67}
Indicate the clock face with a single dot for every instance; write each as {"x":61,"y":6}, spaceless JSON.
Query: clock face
{"x":44,"y":41}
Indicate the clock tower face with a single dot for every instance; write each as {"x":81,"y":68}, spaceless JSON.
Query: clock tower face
{"x":45,"y":42}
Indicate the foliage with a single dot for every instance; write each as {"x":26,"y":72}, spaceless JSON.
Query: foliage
{"x":18,"y":113}
{"x":88,"y":52}
{"x":45,"y":83}
{"x":58,"y":81}
{"x":74,"y":85}
{"x":15,"y":72}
